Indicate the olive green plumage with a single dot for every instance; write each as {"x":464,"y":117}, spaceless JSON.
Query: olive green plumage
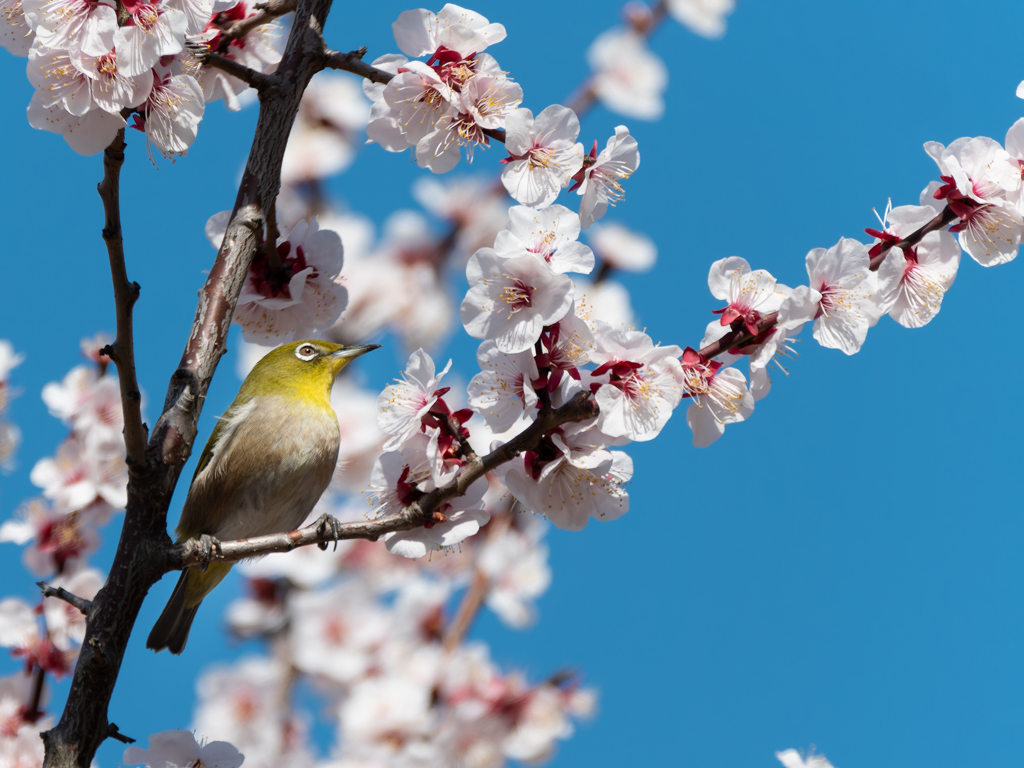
{"x":269,"y":459}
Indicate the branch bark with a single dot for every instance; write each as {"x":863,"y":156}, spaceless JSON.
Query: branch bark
{"x":122,"y":351}
{"x":580,"y":408}
{"x":257,"y":80}
{"x":141,"y":558}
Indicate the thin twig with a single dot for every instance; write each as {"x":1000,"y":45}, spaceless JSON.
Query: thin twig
{"x":257,"y":80}
{"x":580,"y":408}
{"x":267,"y":13}
{"x":468,"y":609}
{"x":122,"y":351}
{"x":83,"y":605}
{"x":740,"y":336}
{"x":114,"y":733}
{"x":353,"y":62}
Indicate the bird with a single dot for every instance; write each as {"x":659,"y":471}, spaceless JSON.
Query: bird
{"x":269,"y":459}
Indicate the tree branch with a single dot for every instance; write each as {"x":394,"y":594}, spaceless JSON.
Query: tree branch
{"x":122,"y":351}
{"x":580,"y":408}
{"x":353,"y":62}
{"x":257,"y":80}
{"x":267,"y":13}
{"x":83,"y":605}
{"x":141,"y":558}
{"x":740,"y":335}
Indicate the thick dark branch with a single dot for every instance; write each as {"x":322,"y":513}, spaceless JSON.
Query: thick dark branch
{"x":353,"y":62}
{"x":580,"y":408}
{"x":257,"y":80}
{"x":267,"y":13}
{"x":83,"y":605}
{"x":122,"y":351}
{"x":141,"y":558}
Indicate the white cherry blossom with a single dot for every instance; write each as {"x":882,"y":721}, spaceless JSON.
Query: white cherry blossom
{"x":78,"y":476}
{"x":179,"y":749}
{"x":550,"y":234}
{"x":599,"y":182}
{"x":720,"y":397}
{"x":705,"y":17}
{"x":154,"y":30}
{"x":421,"y":33}
{"x":621,"y":248}
{"x":511,"y":300}
{"x":16,"y":35}
{"x":840,"y":297}
{"x":503,"y":391}
{"x":78,"y":25}
{"x":926,"y":271}
{"x":543,"y":154}
{"x":627,"y":77}
{"x":87,"y":134}
{"x":749,"y":294}
{"x":982,"y":183}
{"x":171,"y":114}
{"x":298,"y":297}
{"x":637,"y":384}
{"x":402,"y":405}
{"x":258,"y":50}
{"x":570,"y":478}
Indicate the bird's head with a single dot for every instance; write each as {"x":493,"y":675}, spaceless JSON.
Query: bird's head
{"x":306,"y":368}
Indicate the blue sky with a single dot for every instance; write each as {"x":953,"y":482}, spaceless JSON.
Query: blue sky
{"x":843,"y":569}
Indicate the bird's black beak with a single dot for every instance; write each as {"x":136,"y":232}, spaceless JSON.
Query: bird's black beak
{"x":351,"y":353}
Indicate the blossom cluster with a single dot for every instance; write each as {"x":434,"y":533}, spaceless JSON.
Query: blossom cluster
{"x":91,"y":70}
{"x":82,"y":485}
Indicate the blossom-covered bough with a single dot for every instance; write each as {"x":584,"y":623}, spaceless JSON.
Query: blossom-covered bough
{"x":562,"y":386}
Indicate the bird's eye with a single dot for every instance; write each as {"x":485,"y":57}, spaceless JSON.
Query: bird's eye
{"x":306,"y":352}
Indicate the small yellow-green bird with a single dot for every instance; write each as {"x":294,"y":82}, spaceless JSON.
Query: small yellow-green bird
{"x":269,"y":459}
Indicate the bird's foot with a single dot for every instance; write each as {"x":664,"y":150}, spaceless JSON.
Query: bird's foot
{"x":328,"y":521}
{"x":209,"y":544}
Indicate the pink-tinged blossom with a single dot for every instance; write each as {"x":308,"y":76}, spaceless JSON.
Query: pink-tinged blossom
{"x":422,"y":33}
{"x":621,"y":248}
{"x":840,"y":298}
{"x":153,"y":30}
{"x":720,"y":397}
{"x":793,"y":759}
{"x":336,"y":632}
{"x":598,"y":183}
{"x":705,"y":17}
{"x":637,"y":384}
{"x":91,"y":405}
{"x":570,"y":478}
{"x":180,"y":749}
{"x":16,"y":35}
{"x":57,"y":542}
{"x":503,"y":391}
{"x":511,"y":300}
{"x":246,"y":705}
{"x":925,"y":271}
{"x":83,"y":26}
{"x":20,"y":744}
{"x":981,"y":184}
{"x":627,"y":77}
{"x":171,"y":114}
{"x":393,"y":708}
{"x":417,"y":100}
{"x":1015,"y":149}
{"x":543,"y":154}
{"x":299,"y":296}
{"x":550,"y":234}
{"x":19,"y":631}
{"x":88,"y":134}
{"x":197,"y":13}
{"x":483,"y":104}
{"x":77,"y":477}
{"x":327,"y":130}
{"x":402,"y":406}
{"x":257,"y":50}
{"x":82,"y":83}
{"x":516,"y":564}
{"x":403,"y":477}
{"x":749,"y":295}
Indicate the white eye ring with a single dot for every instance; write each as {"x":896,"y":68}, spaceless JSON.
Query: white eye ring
{"x":306,"y":352}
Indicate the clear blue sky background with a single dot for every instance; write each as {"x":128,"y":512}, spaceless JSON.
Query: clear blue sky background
{"x":845,"y":568}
